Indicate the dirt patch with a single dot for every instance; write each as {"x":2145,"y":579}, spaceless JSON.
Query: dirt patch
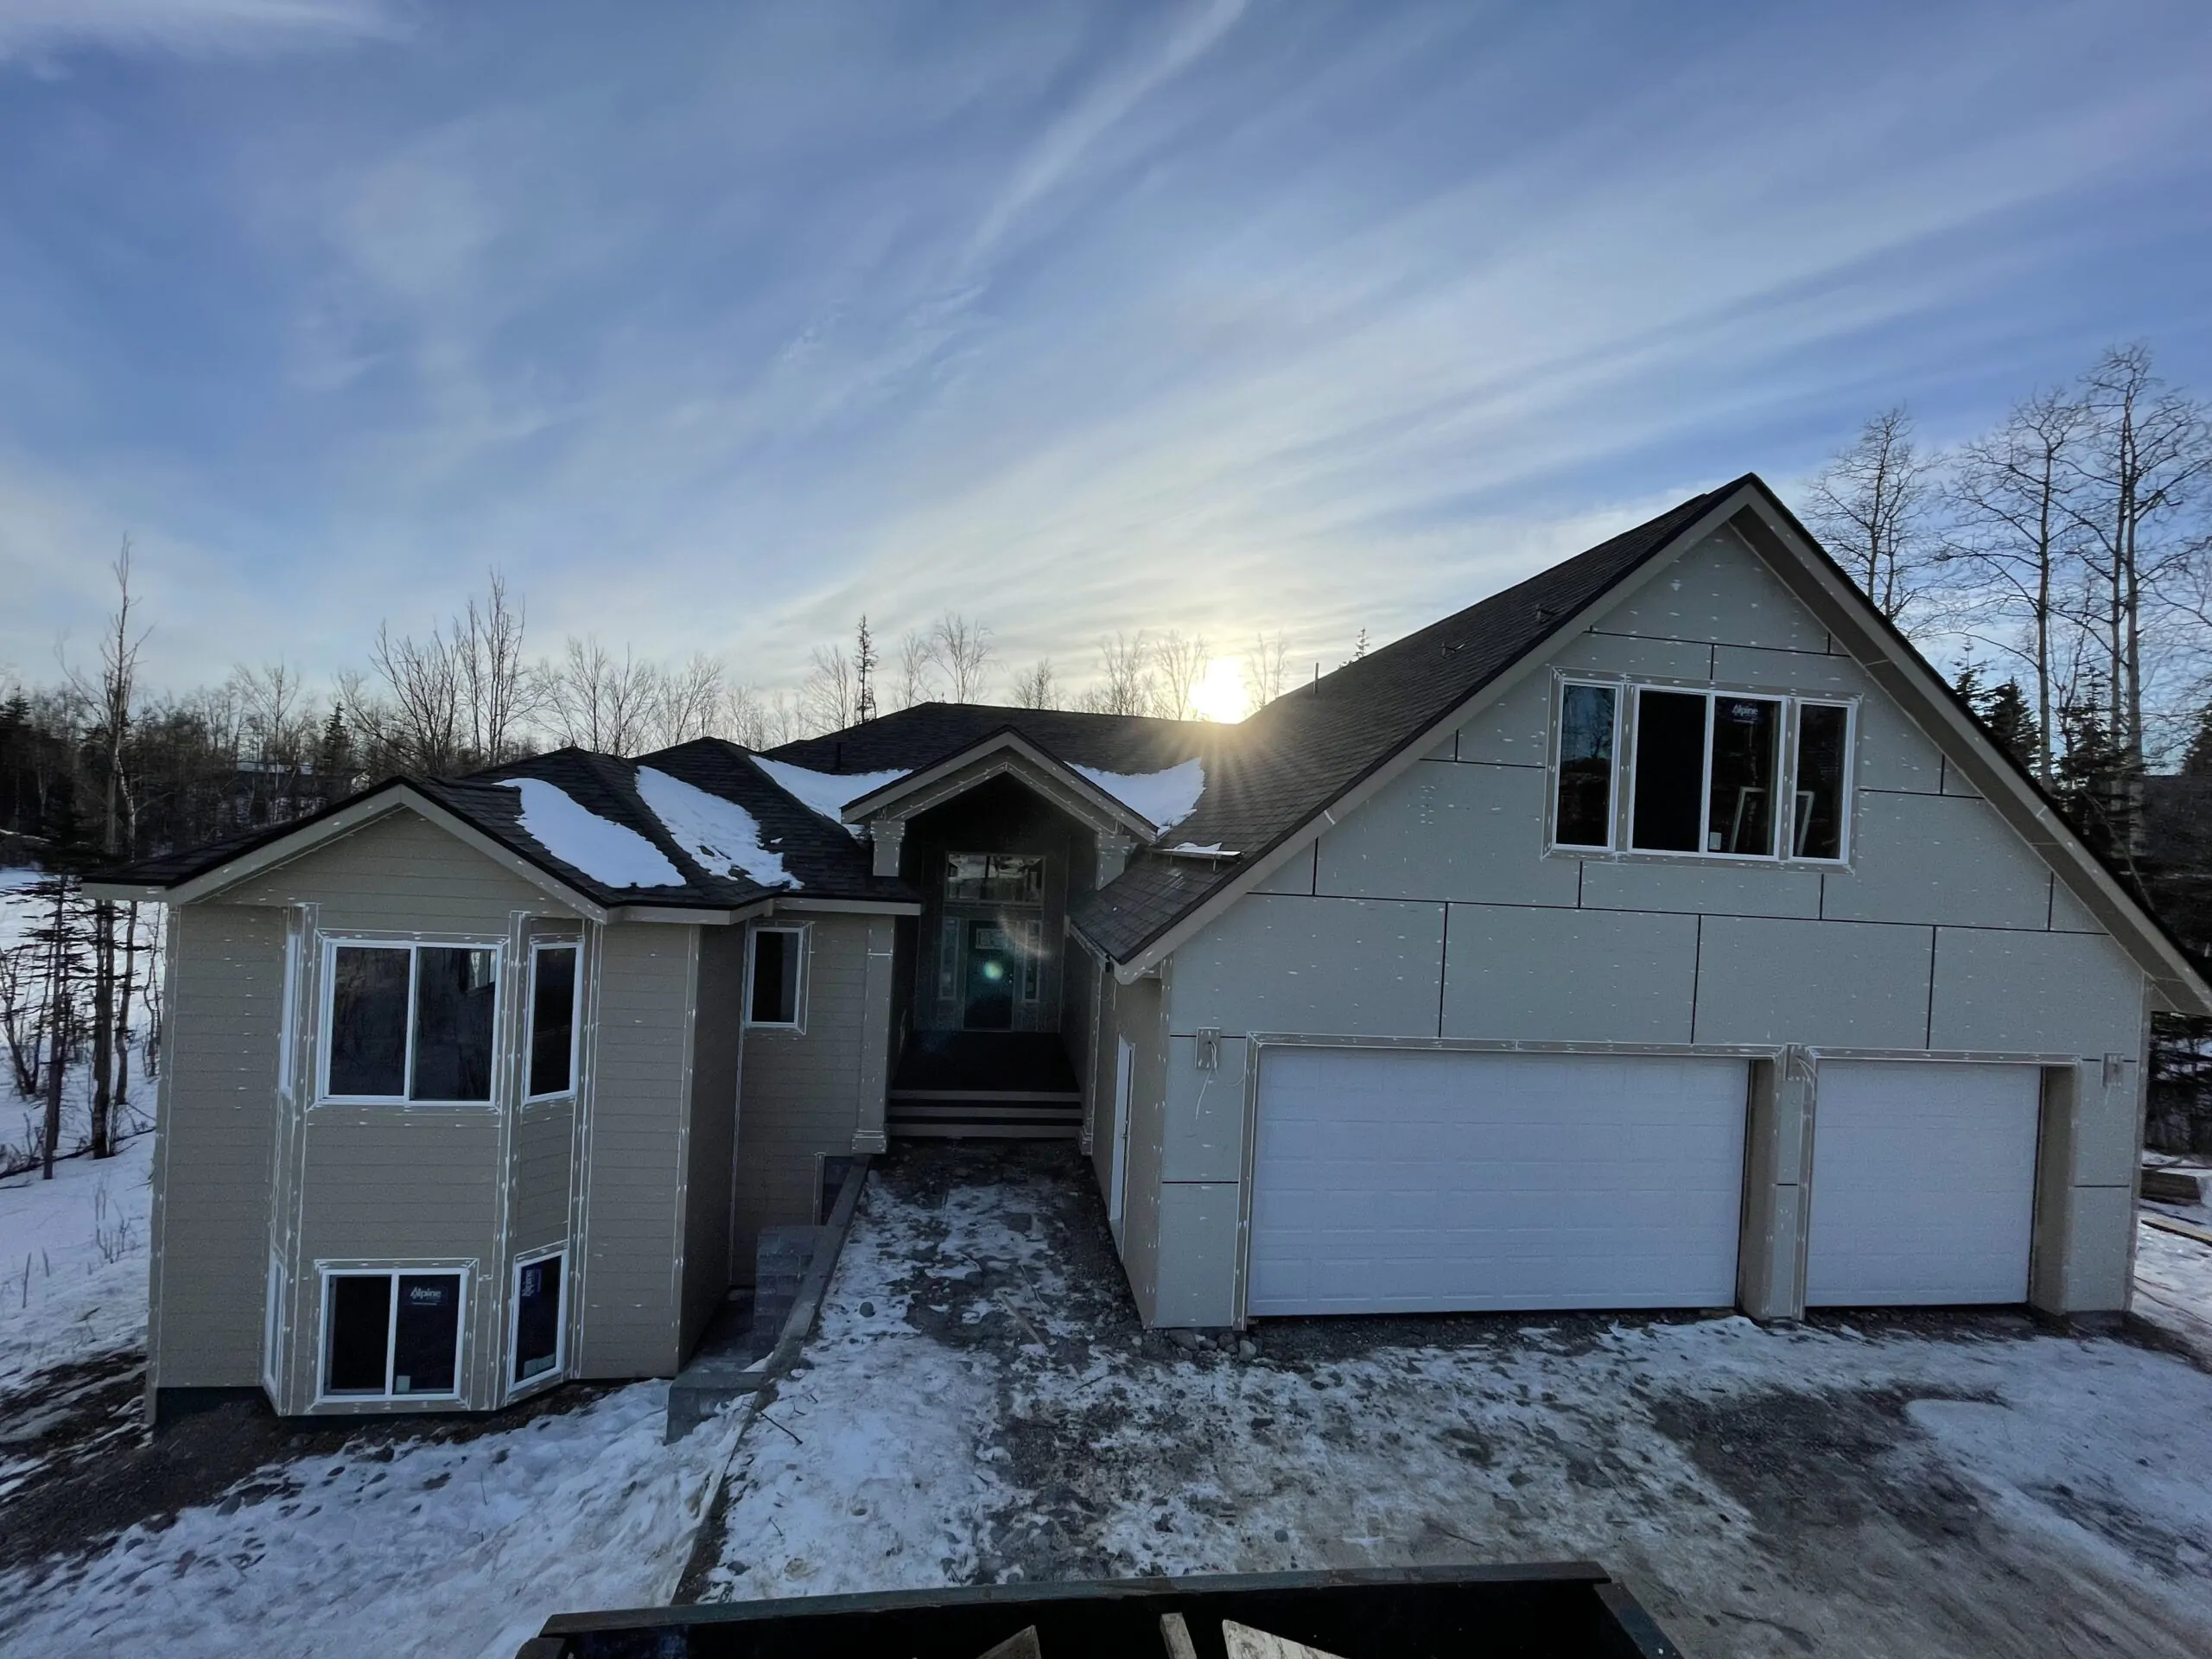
{"x":77,"y":1466}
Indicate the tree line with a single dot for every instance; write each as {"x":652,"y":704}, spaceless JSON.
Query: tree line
{"x":2061,"y":562}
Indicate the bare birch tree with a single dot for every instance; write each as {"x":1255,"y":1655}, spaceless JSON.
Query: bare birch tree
{"x":1870,"y":505}
{"x":915,"y":680}
{"x":2011,"y":499}
{"x":1181,"y":659}
{"x":1266,"y":669}
{"x":1036,"y":688}
{"x":962,"y":652}
{"x":2150,"y":448}
{"x":598,"y":702}
{"x":1127,"y":684}
{"x":692,"y":701}
{"x":113,"y":700}
{"x":831,"y":694}
{"x":497,"y":689}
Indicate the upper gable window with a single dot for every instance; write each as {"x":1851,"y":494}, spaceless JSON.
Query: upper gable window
{"x":1713,"y":774}
{"x":994,"y":878}
{"x":410,"y":1022}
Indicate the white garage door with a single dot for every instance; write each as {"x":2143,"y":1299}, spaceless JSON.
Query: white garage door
{"x":1388,"y":1180}
{"x":1923,"y":1182}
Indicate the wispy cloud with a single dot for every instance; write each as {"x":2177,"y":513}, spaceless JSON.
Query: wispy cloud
{"x":43,"y":29}
{"x":714,"y":328}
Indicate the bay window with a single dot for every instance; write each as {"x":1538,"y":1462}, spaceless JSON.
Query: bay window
{"x":410,"y":1022}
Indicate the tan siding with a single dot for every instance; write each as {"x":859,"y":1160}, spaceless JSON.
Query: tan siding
{"x":399,"y":1181}
{"x":715,"y":1043}
{"x":638,"y":1104}
{"x":211,"y":1249}
{"x":544,"y":1160}
{"x":803,"y":1091}
{"x":402,"y":872}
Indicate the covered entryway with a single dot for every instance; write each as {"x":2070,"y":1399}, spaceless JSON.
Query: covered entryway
{"x":1415,"y":1180}
{"x":1923,"y":1182}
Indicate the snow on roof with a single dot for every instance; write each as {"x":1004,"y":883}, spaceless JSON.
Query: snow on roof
{"x":1164,"y":798}
{"x":720,"y":836}
{"x":611,"y":854}
{"x":826,"y":792}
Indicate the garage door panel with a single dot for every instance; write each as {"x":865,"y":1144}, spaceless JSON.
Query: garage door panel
{"x":1924,"y":1184}
{"x":1401,"y":1180}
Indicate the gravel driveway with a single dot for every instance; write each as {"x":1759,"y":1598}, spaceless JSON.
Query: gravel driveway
{"x":979,"y":1403}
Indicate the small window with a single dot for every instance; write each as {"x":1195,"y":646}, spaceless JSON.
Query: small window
{"x":994,"y":878}
{"x":1032,"y":959}
{"x":391,"y":1334}
{"x":541,"y":1294}
{"x":412,"y":1023}
{"x":772,"y":994}
{"x":1582,"y":805}
{"x":1823,"y":748}
{"x":552,"y":1020}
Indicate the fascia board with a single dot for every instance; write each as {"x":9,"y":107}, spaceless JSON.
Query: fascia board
{"x":126,"y":892}
{"x":1915,"y":686}
{"x":917,"y":792}
{"x":368,"y":810}
{"x":1530,"y":661}
{"x":849,"y":907}
{"x":683,"y":915}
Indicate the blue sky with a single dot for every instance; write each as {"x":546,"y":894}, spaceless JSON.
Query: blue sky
{"x":712,"y":326}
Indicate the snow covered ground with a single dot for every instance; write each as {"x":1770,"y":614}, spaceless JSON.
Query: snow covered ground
{"x":430,"y":1538}
{"x":20,"y":1116}
{"x":980,"y":1404}
{"x":72,"y":1262}
{"x":975,"y":1408}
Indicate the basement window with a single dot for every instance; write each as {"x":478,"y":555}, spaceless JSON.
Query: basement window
{"x":410,"y":1022}
{"x":552,"y":1021}
{"x":774,"y":976}
{"x":541,"y":1303}
{"x":391,"y":1334}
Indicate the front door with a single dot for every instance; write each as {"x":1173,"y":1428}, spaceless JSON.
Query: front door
{"x":994,"y":969}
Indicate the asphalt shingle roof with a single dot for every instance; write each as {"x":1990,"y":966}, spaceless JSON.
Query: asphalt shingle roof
{"x":828,"y":862}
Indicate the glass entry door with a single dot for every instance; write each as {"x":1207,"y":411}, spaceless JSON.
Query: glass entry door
{"x":993,"y":971}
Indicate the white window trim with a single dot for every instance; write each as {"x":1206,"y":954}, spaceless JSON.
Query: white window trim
{"x":530,"y":1019}
{"x":1846,"y":814}
{"x":559,"y":1369}
{"x":1627,"y":738}
{"x":272,"y":1326}
{"x":325,"y":1029}
{"x":797,"y":1023}
{"x":326,"y":1271}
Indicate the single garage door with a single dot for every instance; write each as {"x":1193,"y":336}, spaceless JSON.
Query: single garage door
{"x":1395,"y":1180}
{"x":1923,"y":1182}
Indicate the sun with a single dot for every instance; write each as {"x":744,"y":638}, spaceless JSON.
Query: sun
{"x":1219,"y":694}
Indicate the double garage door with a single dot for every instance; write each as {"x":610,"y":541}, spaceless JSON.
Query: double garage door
{"x":1390,"y":1180}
